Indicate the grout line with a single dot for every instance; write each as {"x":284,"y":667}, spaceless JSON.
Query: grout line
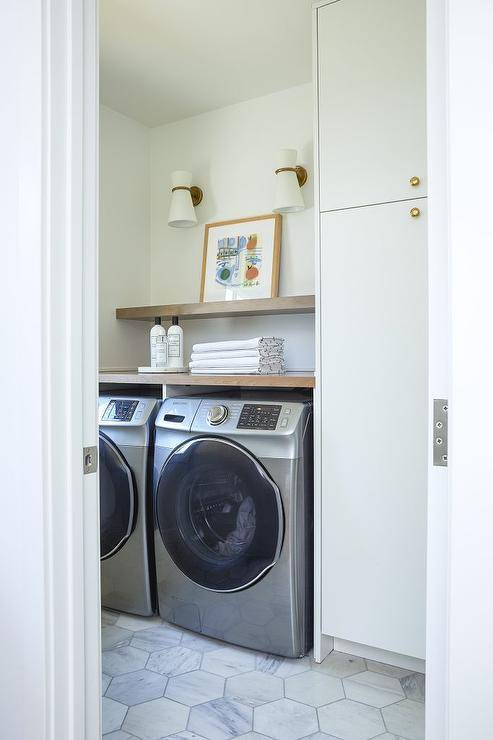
{"x":120,"y":702}
{"x":358,"y":701}
{"x":203,"y":653}
{"x":384,"y":722}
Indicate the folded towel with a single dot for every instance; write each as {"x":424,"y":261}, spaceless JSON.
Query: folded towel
{"x":238,"y":362}
{"x":266,"y":370}
{"x":228,"y":353}
{"x":256,"y":343}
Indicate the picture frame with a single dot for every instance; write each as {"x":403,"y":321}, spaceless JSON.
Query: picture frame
{"x":241,"y":258}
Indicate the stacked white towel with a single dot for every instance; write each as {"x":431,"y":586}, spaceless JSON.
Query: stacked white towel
{"x":260,"y":356}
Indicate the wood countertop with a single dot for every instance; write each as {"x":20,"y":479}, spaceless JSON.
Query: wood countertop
{"x":288,"y":380}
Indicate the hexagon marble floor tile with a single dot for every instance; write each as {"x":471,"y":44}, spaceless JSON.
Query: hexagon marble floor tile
{"x":163,"y":682}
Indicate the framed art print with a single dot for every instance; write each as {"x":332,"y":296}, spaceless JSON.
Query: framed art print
{"x":241,"y":259}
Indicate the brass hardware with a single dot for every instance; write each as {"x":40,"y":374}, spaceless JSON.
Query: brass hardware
{"x":301,"y":173}
{"x":415,"y":212}
{"x":414,"y":181}
{"x":196,"y":193}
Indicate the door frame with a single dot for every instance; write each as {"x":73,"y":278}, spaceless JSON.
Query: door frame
{"x":438,"y":368}
{"x":49,"y":224}
{"x":49,"y":183}
{"x":71,"y":202}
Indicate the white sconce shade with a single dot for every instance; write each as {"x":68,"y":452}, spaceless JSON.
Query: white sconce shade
{"x":289,"y":179}
{"x":184,"y":196}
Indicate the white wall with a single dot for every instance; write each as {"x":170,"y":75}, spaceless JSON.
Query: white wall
{"x":232,"y":154}
{"x":124,"y":261}
{"x":470,"y":122}
{"x":23,"y":565}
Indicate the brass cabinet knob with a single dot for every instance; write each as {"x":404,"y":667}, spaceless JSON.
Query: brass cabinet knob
{"x":414,"y":181}
{"x":415,"y":212}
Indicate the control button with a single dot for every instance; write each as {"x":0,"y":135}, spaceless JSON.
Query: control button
{"x":287,"y":411}
{"x":217,"y":414}
{"x":284,"y":423}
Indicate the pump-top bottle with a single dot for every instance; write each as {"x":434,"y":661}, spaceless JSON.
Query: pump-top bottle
{"x":175,"y":344}
{"x":159,"y":344}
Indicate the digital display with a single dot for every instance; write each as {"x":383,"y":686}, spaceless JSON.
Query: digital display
{"x":120,"y":409}
{"x":259,"y":416}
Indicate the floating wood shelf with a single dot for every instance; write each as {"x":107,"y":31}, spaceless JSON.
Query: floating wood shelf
{"x":222,"y":309}
{"x":288,"y":380}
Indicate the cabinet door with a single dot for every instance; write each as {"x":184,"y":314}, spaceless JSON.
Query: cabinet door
{"x":374,"y":425}
{"x":372,"y":95}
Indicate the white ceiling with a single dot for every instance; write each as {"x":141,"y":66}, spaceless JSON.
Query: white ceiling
{"x":164,"y":60}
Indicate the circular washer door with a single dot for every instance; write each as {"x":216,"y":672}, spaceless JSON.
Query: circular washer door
{"x":117,"y":500}
{"x":219,"y":514}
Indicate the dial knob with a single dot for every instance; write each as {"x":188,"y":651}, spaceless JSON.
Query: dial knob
{"x":217,"y":414}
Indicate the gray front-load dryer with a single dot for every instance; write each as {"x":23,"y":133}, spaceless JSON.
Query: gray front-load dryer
{"x":233,"y":520}
{"x":126,"y":431}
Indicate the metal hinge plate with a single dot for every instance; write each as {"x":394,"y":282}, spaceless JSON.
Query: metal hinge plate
{"x":90,"y":460}
{"x":440,"y":432}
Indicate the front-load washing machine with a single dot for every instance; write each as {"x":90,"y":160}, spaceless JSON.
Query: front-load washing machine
{"x":126,"y":432}
{"x":233,"y":520}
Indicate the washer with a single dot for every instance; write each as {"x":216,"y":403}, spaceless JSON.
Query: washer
{"x":234,"y":520}
{"x":126,"y":431}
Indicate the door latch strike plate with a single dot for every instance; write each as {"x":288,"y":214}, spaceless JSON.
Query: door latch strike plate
{"x":440,"y":432}
{"x":90,"y":460}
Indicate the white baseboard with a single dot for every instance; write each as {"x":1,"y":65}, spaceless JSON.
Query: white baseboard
{"x":382,"y":656}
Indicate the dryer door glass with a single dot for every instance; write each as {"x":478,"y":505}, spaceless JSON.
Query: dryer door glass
{"x":117,"y":500}
{"x":219,"y":514}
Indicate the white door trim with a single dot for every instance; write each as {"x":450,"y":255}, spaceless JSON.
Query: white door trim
{"x":48,"y":180}
{"x":470,"y":555}
{"x":70,"y":199}
{"x":439,"y":369}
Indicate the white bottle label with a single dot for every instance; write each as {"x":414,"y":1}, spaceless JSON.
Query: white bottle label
{"x":153,"y":351}
{"x":174,"y":342}
{"x":161,"y":351}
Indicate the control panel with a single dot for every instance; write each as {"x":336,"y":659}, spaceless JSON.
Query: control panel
{"x":238,"y":417}
{"x":120,"y":409}
{"x":125,"y":412}
{"x":259,"y":416}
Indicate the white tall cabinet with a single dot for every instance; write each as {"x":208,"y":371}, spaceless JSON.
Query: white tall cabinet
{"x":371,"y":107}
{"x":372,"y":299}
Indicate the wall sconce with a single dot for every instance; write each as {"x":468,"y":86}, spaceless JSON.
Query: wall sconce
{"x":184,"y":198}
{"x":290,"y":180}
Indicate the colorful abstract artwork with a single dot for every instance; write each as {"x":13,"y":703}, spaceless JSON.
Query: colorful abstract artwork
{"x":240,"y":261}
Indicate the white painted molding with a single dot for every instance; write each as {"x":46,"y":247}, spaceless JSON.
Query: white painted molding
{"x":469,"y":28}
{"x":439,"y":368}
{"x":320,"y":646}
{"x":48,"y":181}
{"x":70,"y":200}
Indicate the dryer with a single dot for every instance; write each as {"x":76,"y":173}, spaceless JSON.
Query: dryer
{"x":126,"y":432}
{"x":234,"y":520}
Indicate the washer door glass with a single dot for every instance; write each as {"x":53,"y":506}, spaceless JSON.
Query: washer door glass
{"x":219,"y":514}
{"x":117,"y":501}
